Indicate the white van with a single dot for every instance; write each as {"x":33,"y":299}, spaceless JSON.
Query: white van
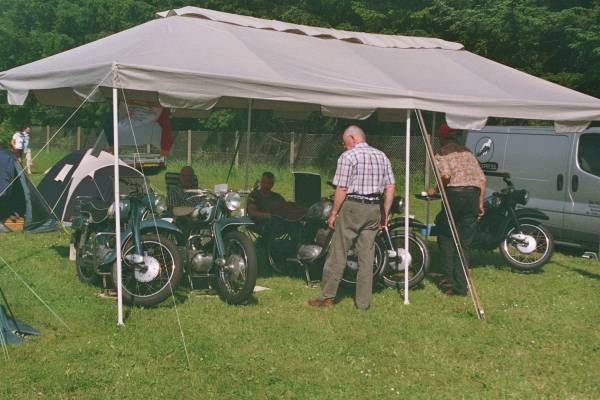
{"x":560,"y":171}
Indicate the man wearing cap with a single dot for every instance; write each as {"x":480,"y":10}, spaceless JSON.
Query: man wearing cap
{"x":364,"y":193}
{"x":465,"y":186}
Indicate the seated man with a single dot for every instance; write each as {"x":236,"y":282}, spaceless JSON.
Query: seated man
{"x":262,"y":199}
{"x":176,"y":190}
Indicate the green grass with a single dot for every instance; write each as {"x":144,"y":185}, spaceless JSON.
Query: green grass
{"x":541,"y":339}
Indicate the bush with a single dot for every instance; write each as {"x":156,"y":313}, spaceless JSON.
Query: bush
{"x":5,"y":135}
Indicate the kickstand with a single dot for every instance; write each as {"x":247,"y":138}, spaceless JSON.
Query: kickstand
{"x":309,"y":282}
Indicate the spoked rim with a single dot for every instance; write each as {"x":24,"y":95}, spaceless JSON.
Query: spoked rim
{"x":541,"y":250}
{"x":350,"y":274}
{"x":146,"y":289}
{"x":233,"y":273}
{"x":395,"y":278}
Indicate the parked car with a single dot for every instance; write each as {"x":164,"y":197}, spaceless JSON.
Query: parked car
{"x":561,"y":172}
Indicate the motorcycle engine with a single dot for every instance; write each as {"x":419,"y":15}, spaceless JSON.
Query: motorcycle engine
{"x":200,"y":251}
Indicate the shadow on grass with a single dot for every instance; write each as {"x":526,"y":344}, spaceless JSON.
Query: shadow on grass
{"x":580,"y":271}
{"x":62,"y":251}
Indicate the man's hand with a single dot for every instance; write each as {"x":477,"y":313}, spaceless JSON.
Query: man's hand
{"x":384,"y":220}
{"x":481,"y":210}
{"x":431,"y":191}
{"x":331,"y":220}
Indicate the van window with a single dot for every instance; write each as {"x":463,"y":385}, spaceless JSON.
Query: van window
{"x":588,"y":153}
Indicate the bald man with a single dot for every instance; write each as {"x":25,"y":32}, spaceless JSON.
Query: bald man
{"x":364,"y":193}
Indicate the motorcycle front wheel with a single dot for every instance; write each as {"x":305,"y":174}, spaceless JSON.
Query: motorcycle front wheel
{"x":235,"y":280}
{"x":392,"y":274}
{"x":154,"y":280}
{"x":529,"y":249}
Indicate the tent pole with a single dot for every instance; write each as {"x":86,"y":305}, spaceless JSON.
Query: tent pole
{"x":248,"y":126}
{"x":406,"y":205}
{"x":117,"y":205}
{"x":461,"y":254}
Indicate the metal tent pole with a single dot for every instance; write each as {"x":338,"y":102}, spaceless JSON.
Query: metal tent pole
{"x":117,"y":205}
{"x":461,"y":254}
{"x":406,"y":206}
{"x":248,"y":126}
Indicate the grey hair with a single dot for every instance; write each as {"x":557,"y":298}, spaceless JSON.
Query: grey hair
{"x":356,"y":132}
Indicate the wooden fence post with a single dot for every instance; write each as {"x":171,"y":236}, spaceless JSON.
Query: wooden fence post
{"x":78,"y":138}
{"x":47,"y":138}
{"x":189,"y":147}
{"x":292,"y":150}
{"x":237,"y":154}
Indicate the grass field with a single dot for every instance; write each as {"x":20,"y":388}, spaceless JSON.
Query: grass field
{"x":541,"y":339}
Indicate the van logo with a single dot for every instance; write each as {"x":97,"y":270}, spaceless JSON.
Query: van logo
{"x":484,"y":149}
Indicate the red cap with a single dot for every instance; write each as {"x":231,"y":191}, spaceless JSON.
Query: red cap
{"x":444,"y":130}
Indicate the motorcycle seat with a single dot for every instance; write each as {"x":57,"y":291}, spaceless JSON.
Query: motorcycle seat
{"x":183,"y":211}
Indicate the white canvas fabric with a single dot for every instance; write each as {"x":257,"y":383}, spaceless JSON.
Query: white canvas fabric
{"x":204,"y":62}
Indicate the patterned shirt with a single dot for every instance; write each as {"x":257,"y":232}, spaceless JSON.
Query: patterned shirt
{"x":461,"y":167}
{"x":364,"y":170}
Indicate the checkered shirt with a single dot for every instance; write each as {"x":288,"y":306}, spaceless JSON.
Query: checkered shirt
{"x":364,"y":170}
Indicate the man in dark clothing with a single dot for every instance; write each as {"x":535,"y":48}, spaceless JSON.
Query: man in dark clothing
{"x":262,"y":199}
{"x":465,"y":186}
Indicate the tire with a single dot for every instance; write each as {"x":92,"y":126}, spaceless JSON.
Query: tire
{"x":392,"y":275}
{"x":159,"y":287}
{"x":235,"y":281}
{"x":351,"y":270}
{"x":528,"y":261}
{"x":86,"y":272}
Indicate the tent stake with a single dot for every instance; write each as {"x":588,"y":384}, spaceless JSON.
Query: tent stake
{"x":461,"y":254}
{"x":117,"y":205}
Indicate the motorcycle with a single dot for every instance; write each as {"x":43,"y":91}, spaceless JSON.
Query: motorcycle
{"x":151,"y":265}
{"x":523,"y":241}
{"x":305,"y":242}
{"x":214,"y":248}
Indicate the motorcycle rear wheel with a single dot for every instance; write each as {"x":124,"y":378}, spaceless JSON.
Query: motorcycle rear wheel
{"x":351,"y":270}
{"x":236,"y":280}
{"x":276,"y":252}
{"x":394,"y":277}
{"x":146,"y":294}
{"x":534,"y":260}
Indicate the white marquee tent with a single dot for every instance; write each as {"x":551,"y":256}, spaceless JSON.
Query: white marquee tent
{"x":193,"y":60}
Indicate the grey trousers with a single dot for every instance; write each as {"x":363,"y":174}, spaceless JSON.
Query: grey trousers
{"x":355,"y":224}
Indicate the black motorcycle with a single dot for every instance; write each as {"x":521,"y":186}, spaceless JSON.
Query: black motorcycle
{"x":523,"y":241}
{"x":305,"y":241}
{"x":151,"y":265}
{"x":214,"y":247}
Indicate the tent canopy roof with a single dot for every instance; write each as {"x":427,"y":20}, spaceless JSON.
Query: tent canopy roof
{"x":197,"y":59}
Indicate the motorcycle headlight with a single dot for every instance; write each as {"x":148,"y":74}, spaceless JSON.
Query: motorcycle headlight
{"x":397,"y":205}
{"x":124,"y":206}
{"x":327,"y":207}
{"x":160,"y":204}
{"x":522,"y":196}
{"x":233,"y":201}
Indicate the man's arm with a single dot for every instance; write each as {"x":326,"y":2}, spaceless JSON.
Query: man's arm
{"x":338,"y":200}
{"x":388,"y":198}
{"x":483,"y":187}
{"x":255,"y":214}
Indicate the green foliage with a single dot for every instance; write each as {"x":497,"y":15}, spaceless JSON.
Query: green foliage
{"x":558,"y":40}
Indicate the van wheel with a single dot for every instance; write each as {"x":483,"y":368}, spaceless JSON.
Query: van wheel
{"x":528,"y":249}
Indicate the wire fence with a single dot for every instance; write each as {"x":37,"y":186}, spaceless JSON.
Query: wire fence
{"x":293,"y":149}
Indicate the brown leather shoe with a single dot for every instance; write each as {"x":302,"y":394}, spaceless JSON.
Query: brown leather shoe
{"x":321,"y":303}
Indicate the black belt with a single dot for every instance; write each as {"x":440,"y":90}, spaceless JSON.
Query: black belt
{"x":463,"y":188}
{"x":364,"y":200}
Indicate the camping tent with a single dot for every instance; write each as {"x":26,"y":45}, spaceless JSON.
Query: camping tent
{"x":21,"y":198}
{"x":197,"y":59}
{"x":80,"y":173}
